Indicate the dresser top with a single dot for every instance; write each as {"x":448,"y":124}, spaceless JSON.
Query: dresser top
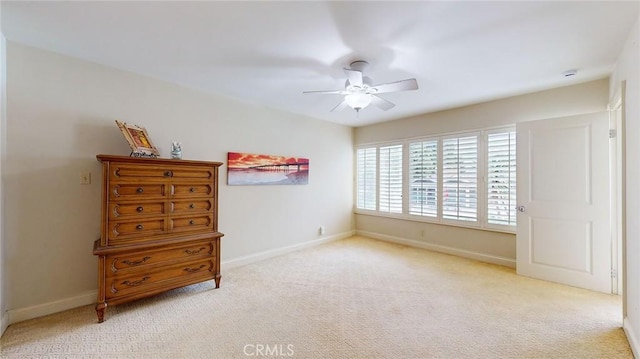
{"x":155,"y":161}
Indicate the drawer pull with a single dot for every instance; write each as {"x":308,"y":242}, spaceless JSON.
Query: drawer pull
{"x":136,"y":263}
{"x":168,"y":174}
{"x":139,"y":227}
{"x":193,"y":270}
{"x":140,"y":190}
{"x":190,"y":252}
{"x":192,"y":222}
{"x":140,"y":209}
{"x":192,"y":189}
{"x":192,"y":206}
{"x":136,"y":283}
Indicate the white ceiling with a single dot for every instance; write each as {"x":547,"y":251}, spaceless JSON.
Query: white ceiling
{"x":267,"y":52}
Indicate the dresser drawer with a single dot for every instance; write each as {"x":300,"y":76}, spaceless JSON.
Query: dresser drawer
{"x":143,"y":228}
{"x":119,"y":210}
{"x":185,"y":190}
{"x":130,"y":262}
{"x":191,"y":206}
{"x":191,"y":223}
{"x":136,"y":191}
{"x":128,"y":171}
{"x":141,"y":282}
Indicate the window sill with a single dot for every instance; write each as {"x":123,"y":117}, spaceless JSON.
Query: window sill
{"x":404,"y":217}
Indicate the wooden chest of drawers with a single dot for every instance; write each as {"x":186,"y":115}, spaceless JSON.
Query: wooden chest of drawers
{"x":159,"y":227}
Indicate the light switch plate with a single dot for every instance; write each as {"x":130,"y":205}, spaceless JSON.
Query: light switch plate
{"x":85,"y":177}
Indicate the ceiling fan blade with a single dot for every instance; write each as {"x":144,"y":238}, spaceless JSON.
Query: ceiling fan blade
{"x":329,"y":92}
{"x":341,"y":106}
{"x":381,"y":103}
{"x":403,"y":85}
{"x":355,"y":77}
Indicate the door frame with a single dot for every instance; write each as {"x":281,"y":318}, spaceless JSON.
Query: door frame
{"x":4,"y":317}
{"x":616,"y":109}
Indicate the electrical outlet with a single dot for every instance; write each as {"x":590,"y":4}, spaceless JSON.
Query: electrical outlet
{"x":85,"y":177}
{"x":321,"y":230}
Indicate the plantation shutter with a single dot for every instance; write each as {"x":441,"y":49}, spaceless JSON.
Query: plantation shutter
{"x":391,"y":179}
{"x":501,"y":178}
{"x":423,"y":178}
{"x":460,"y":178}
{"x":366,"y":178}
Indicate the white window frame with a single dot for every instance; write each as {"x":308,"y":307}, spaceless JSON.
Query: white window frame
{"x":478,"y":219}
{"x":357,"y":175}
{"x":512,"y":205}
{"x":389,"y":208}
{"x":481,"y":190}
{"x":438,"y":174}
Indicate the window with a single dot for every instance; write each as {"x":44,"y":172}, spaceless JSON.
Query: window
{"x":366,"y":178}
{"x":466,"y":179}
{"x":501,"y":178}
{"x":391,"y":179}
{"x":460,"y":178}
{"x":423,"y":178}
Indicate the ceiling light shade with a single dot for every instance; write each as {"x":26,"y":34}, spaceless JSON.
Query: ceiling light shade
{"x":358,"y":100}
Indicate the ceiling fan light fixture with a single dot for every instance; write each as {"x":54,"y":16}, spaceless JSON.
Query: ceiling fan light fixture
{"x":358,"y":100}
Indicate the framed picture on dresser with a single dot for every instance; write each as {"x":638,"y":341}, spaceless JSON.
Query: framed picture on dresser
{"x":138,"y":139}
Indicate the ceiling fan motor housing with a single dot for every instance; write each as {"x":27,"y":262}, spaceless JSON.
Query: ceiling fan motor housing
{"x":359,"y":65}
{"x":367,"y":83}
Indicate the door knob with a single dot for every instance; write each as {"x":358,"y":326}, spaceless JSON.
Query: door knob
{"x":521,"y":208}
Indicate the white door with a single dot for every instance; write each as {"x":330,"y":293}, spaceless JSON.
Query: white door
{"x":563,"y":230}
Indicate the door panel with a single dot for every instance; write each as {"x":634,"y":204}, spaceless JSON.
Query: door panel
{"x":574,"y":254}
{"x":551,"y":150}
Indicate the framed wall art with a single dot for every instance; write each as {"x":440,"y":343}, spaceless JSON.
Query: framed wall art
{"x":245,"y":169}
{"x":138,"y":139}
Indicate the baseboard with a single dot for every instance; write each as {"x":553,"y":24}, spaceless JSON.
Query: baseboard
{"x":631,"y":337}
{"x":22,"y":314}
{"x":257,"y":257}
{"x":503,"y":261}
{"x":4,"y":323}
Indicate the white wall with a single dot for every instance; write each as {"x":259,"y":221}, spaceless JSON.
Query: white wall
{"x":61,"y":113}
{"x":628,"y":69}
{"x":489,"y":246}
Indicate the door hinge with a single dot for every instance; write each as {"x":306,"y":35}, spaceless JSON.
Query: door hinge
{"x":612,"y":133}
{"x":614,"y":273}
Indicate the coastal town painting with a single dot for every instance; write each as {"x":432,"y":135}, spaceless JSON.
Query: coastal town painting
{"x":246,"y":169}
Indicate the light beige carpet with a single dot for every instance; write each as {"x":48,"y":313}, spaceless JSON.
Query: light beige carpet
{"x":355,"y":298}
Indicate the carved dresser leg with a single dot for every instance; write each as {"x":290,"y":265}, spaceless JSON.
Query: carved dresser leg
{"x":218,"y":280}
{"x":100,"y":309}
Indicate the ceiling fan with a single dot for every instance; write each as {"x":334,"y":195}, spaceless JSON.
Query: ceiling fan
{"x":359,"y":91}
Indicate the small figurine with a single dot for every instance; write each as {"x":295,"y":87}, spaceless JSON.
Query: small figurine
{"x":176,"y":150}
